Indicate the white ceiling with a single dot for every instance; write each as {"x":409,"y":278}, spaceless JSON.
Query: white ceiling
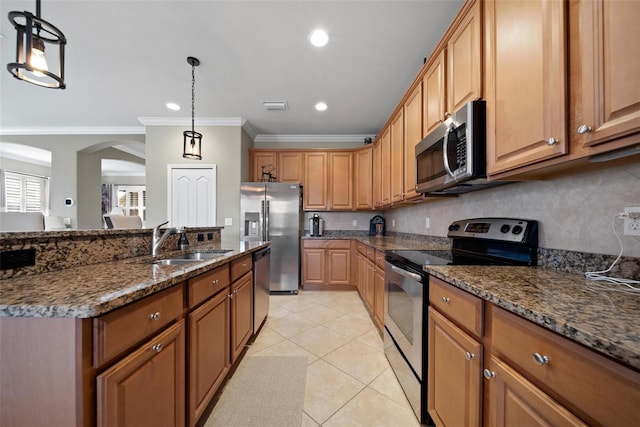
{"x":127,"y":59}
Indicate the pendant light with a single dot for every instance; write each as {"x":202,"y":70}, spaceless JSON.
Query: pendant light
{"x":33,"y":35}
{"x":192,"y":139}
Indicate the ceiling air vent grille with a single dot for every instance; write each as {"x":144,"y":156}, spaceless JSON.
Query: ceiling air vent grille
{"x":275,"y":105}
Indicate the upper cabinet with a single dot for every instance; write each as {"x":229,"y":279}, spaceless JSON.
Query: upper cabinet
{"x":454,"y":74}
{"x":263,"y":162}
{"x":363,"y":181}
{"x":412,"y":136}
{"x":290,"y":166}
{"x":397,"y":157}
{"x":315,"y":181}
{"x":341,"y":180}
{"x":604,"y":45}
{"x":279,"y":165}
{"x":377,"y":175}
{"x":385,"y":167}
{"x":525,"y":82}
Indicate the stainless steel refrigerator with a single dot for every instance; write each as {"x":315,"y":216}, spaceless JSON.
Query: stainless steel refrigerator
{"x":273,"y":211}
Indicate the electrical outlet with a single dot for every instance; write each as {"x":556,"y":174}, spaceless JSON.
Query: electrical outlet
{"x":393,"y":223}
{"x":427,"y":222}
{"x":632,"y":225}
{"x":355,"y":222}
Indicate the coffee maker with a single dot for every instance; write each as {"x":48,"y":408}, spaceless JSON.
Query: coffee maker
{"x":316,"y":226}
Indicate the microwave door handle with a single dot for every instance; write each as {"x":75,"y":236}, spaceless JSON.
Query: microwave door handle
{"x":445,"y":148}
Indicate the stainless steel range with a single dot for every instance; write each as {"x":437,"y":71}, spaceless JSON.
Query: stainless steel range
{"x":479,"y":241}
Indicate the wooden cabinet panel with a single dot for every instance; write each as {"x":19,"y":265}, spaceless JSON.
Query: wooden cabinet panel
{"x":119,"y":330}
{"x":240,"y":267}
{"x":362,"y":275}
{"x":376,"y":185}
{"x":514,"y":401}
{"x":263,"y":162}
{"x":412,"y":136}
{"x":460,"y":306}
{"x":338,"y":266}
{"x":147,"y":387}
{"x":290,"y":167}
{"x":397,"y":158}
{"x":313,"y":267}
{"x":605,"y":65}
{"x":385,"y":167}
{"x":241,"y":314}
{"x":455,"y":374}
{"x":378,"y":298}
{"x":370,"y":285}
{"x":315,"y":181}
{"x":364,"y":178}
{"x":464,"y":61}
{"x":341,"y":180}
{"x":208,"y":284}
{"x":579,"y":378}
{"x":433,"y":111}
{"x":526,"y":122}
{"x":208,"y":352}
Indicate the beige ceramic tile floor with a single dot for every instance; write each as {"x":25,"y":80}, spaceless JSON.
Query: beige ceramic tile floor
{"x":349,"y":380}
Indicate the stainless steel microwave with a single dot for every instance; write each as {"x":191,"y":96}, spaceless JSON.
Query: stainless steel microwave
{"x":451,"y":159}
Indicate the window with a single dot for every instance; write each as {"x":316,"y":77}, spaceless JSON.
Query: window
{"x":24,"y":193}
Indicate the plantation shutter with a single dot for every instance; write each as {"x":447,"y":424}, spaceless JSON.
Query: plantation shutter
{"x":13,"y":192}
{"x":24,"y":193}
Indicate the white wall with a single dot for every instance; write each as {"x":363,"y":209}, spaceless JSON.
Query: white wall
{"x":221,"y":145}
{"x":24,"y":167}
{"x":570,"y":208}
{"x":343,"y":220}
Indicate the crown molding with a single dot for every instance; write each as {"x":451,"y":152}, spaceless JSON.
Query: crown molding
{"x":186,"y":121}
{"x":312,"y":138}
{"x":75,"y":130}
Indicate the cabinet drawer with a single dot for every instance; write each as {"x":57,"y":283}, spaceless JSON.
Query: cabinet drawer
{"x":313,"y":244}
{"x":371,"y":253}
{"x":362,"y":248}
{"x":380,"y":259}
{"x":240,"y":266}
{"x":593,"y":387}
{"x":458,"y":305}
{"x":208,"y":284}
{"x":118,"y":330}
{"x":337,"y":244}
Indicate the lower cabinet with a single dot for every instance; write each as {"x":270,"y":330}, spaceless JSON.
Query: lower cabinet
{"x":209,"y":351}
{"x":326,"y":262}
{"x":370,"y":281}
{"x":241,"y":297}
{"x":147,"y":387}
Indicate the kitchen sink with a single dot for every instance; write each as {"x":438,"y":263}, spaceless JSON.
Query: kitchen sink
{"x":172,"y":261}
{"x":202,"y":255}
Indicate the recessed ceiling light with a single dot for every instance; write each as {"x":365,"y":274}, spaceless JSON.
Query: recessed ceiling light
{"x":319,"y":38}
{"x":173,"y":106}
{"x":321,"y":106}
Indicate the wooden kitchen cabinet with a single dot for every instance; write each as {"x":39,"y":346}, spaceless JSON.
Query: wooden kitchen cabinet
{"x":363,"y":178}
{"x":341,"y":180}
{"x":148,"y":386}
{"x":376,"y":185}
{"x":290,"y":167}
{"x":241,"y":297}
{"x":315,"y":181}
{"x":412,"y":136}
{"x":209,"y":351}
{"x":454,"y":372}
{"x":397,"y":158}
{"x":525,"y":82}
{"x":385,"y":167}
{"x":604,"y":49}
{"x":434,"y":97}
{"x":326,"y":262}
{"x":370,"y":277}
{"x":263,"y":161}
{"x":378,"y":297}
{"x":516,"y":401}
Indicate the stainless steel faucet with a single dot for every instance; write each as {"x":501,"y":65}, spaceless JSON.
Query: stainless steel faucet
{"x":157,"y":239}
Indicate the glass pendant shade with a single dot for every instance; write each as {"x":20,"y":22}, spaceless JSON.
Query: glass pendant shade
{"x":192,"y":145}
{"x":39,"y":50}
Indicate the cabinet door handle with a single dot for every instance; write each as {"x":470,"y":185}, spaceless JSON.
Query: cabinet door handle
{"x":469,"y":356}
{"x":582,"y":129}
{"x":230,"y":296}
{"x":552,"y":141}
{"x":154,"y":316}
{"x":215,"y":282}
{"x":157,"y":348}
{"x":540,"y":359}
{"x":445,"y":300}
{"x":244,"y":265}
{"x":488,"y":374}
{"x":236,"y":291}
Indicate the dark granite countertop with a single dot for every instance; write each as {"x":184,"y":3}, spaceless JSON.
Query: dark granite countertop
{"x":564,"y":303}
{"x":91,"y":290}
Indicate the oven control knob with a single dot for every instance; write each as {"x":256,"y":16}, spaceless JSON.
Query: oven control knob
{"x":517,"y":229}
{"x":505,"y":228}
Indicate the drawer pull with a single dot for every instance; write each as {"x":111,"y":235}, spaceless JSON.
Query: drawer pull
{"x":244,"y":265}
{"x":445,"y":300}
{"x":215,"y":282}
{"x":540,"y":359}
{"x":236,"y":291}
{"x":584,"y":129}
{"x":488,"y":374}
{"x":469,"y":356}
{"x":157,"y":348}
{"x":154,"y":316}
{"x":230,"y":296}
{"x":552,"y":141}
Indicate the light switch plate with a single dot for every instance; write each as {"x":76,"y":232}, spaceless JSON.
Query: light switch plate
{"x":228,"y":221}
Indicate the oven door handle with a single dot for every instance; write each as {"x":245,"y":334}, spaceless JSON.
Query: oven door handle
{"x":408,"y":274}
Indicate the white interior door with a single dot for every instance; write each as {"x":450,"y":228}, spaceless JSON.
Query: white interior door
{"x":192,"y":196}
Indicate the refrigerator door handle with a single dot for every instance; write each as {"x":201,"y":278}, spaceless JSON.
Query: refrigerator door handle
{"x":266,"y":222}
{"x":262,"y":221}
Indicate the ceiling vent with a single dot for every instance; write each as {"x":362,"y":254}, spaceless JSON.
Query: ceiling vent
{"x":275,"y":105}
